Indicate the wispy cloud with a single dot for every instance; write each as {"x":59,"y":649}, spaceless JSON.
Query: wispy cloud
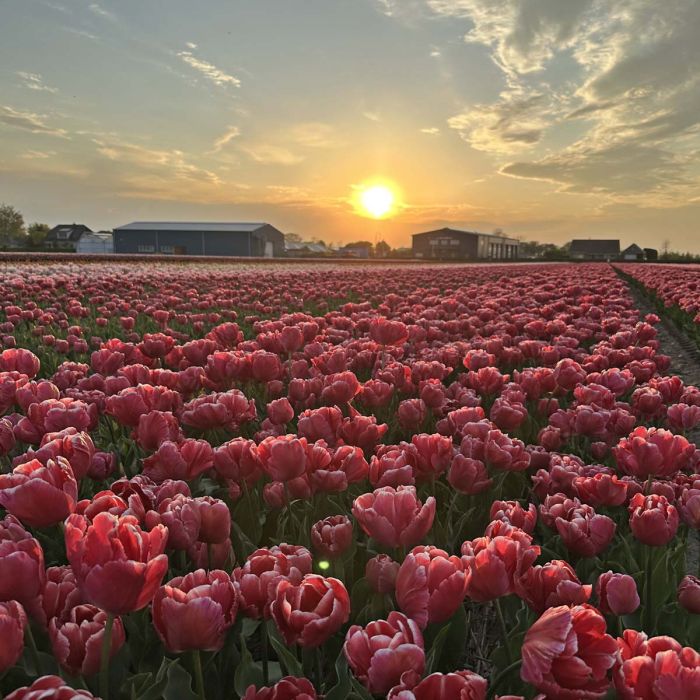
{"x":32,"y":155}
{"x":269,"y":154}
{"x":101,"y":12}
{"x":430,"y":130}
{"x":231,"y":133}
{"x":34,"y":81}
{"x":209,"y":70}
{"x":28,"y":121}
{"x":191,"y":45}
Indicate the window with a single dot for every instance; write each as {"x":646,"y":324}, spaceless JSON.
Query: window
{"x":146,"y":249}
{"x":168,"y":249}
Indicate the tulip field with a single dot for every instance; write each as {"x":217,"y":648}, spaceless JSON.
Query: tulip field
{"x":278,"y":481}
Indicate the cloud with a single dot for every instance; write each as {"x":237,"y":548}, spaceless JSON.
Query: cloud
{"x":231,"y":133}
{"x":209,"y":70}
{"x":372,"y":116}
{"x":34,"y":81}
{"x":190,"y":45}
{"x":514,"y":123}
{"x":31,"y":155}
{"x":269,"y":154}
{"x":101,"y":12}
{"x":430,"y":130}
{"x":524,"y":35}
{"x":28,"y":121}
{"x":313,"y":135}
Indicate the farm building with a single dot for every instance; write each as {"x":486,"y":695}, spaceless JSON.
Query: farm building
{"x":594,"y":249}
{"x":632,"y":252}
{"x":99,"y":243}
{"x":451,"y":244}
{"x":199,"y":238}
{"x":65,"y":236}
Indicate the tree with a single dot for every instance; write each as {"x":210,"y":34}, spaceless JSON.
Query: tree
{"x":382,"y":249}
{"x":292,"y":237}
{"x":11,"y":224}
{"x":37,"y":233}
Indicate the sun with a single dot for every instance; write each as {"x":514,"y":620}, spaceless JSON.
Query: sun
{"x":376,"y":201}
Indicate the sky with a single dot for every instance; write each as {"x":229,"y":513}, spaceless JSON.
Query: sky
{"x":548,"y":119}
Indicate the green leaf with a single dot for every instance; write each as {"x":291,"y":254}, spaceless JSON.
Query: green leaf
{"x":359,"y":690}
{"x":178,"y":684}
{"x":247,"y":672}
{"x":287,"y":659}
{"x":436,"y":648}
{"x":455,"y":643}
{"x":341,"y":690}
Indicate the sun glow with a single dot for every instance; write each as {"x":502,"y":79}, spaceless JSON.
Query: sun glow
{"x":376,"y":201}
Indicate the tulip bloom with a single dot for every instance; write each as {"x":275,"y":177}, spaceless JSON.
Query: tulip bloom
{"x":332,"y":537}
{"x":617,"y":594}
{"x":21,"y":564}
{"x":468,"y":475}
{"x":60,"y":594}
{"x":512,"y":512}
{"x":567,"y":653}
{"x":40,"y":495}
{"x":381,"y":572}
{"x":430,"y":585}
{"x":653,"y":520}
{"x":51,"y":687}
{"x":289,"y":688}
{"x":552,"y":584}
{"x":585,"y":532}
{"x":465,"y":685}
{"x":310,"y":612}
{"x":652,"y":452}
{"x":118,"y":566}
{"x":394,"y":517}
{"x":194,"y":611}
{"x":13,"y":620}
{"x":380,"y":652}
{"x":689,"y":594}
{"x":76,"y":639}
{"x":655,"y":668}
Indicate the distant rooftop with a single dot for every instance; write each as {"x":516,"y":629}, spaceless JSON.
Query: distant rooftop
{"x":458,"y":232}
{"x":595,"y":246}
{"x":233,"y":226}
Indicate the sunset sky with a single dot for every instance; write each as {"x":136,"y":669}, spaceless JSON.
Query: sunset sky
{"x":550,"y":119}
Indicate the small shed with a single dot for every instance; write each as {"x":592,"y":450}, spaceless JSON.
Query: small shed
{"x":632,"y":252}
{"x":99,"y":243}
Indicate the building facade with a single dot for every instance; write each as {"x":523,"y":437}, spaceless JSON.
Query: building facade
{"x":594,"y":249}
{"x":452,"y":244}
{"x":65,"y":236}
{"x":99,"y":243}
{"x":199,"y":238}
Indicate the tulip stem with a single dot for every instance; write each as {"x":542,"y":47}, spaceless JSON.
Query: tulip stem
{"x":198,"y":675}
{"x":263,"y":646}
{"x":33,"y":648}
{"x":647,"y":589}
{"x":503,"y":674}
{"x":104,"y":659}
{"x":504,"y":630}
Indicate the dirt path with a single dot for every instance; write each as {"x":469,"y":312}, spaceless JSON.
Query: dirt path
{"x":685,"y":362}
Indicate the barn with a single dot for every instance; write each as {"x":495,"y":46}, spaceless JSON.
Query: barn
{"x":199,"y":238}
{"x":452,"y":244}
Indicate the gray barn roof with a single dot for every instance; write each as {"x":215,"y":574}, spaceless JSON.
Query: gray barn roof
{"x":457,"y":232}
{"x":233,"y":227}
{"x":595,"y":246}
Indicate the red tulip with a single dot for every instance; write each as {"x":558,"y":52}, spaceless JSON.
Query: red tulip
{"x":215,"y":519}
{"x":567,"y":653}
{"x":284,"y":457}
{"x":465,"y":685}
{"x":652,"y":452}
{"x":310,"y":612}
{"x":155,"y":427}
{"x":394,"y":517}
{"x":118,"y":566}
{"x":13,"y":620}
{"x":430,"y":585}
{"x":380,"y":652}
{"x":195,"y":611}
{"x":332,"y":537}
{"x":512,"y":512}
{"x":689,"y":594}
{"x":49,"y":688}
{"x":76,"y":639}
{"x":60,"y":594}
{"x":653,"y":520}
{"x":289,"y":688}
{"x":40,"y":495}
{"x":185,"y":460}
{"x":257,"y":579}
{"x":552,"y":584}
{"x":617,"y":594}
{"x":182,"y":518}
{"x":468,"y":475}
{"x":386,"y":332}
{"x":381,"y":572}
{"x":585,"y":532}
{"x":21,"y":564}
{"x":492,"y":564}
{"x":655,"y":668}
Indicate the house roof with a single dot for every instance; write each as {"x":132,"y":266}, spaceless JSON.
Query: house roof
{"x":634,"y":248}
{"x":457,"y":232}
{"x":595,"y":246}
{"x":232,"y":226}
{"x":67,"y":232}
